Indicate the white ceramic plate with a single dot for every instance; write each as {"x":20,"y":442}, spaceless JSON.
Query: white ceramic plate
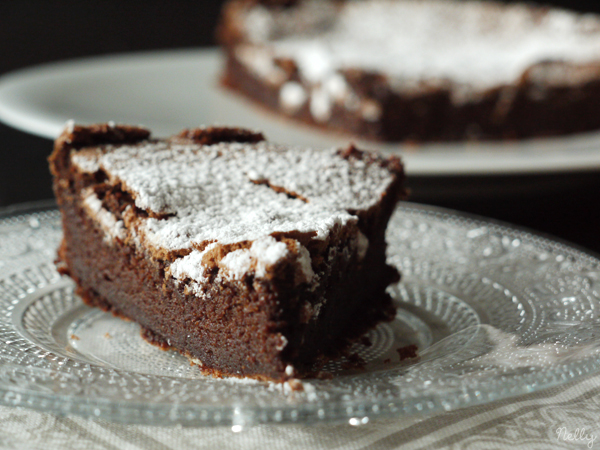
{"x":169,"y":90}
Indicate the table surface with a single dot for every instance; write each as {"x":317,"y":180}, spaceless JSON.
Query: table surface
{"x":566,"y":206}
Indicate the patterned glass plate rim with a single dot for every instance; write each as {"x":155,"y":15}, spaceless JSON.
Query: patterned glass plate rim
{"x":496,"y":312}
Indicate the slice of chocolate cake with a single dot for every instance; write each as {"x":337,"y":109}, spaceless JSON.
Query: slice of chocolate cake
{"x":250,"y":258}
{"x":417,"y":69}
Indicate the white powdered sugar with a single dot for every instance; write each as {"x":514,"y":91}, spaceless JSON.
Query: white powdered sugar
{"x":191,"y":265}
{"x":264,"y":253}
{"x":215,"y":193}
{"x":261,"y":63}
{"x":85,"y":163}
{"x":305,"y":263}
{"x":268,"y":251}
{"x":232,"y":193}
{"x":289,"y":370}
{"x":292,"y":96}
{"x":467,"y":42}
{"x":283,"y":342}
{"x":69,"y":126}
{"x":320,"y":104}
{"x":237,"y":263}
{"x":112,"y":227}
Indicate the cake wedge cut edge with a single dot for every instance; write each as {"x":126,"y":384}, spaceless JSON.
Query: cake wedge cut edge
{"x":250,"y":258}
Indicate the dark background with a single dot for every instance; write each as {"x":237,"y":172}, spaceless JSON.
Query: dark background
{"x":39,"y":31}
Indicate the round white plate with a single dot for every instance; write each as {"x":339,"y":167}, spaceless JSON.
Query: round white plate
{"x":170,"y":90}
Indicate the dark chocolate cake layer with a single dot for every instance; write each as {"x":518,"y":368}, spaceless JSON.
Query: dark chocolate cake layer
{"x":418,"y":70}
{"x":250,"y":258}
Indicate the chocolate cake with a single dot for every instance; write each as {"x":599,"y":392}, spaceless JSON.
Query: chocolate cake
{"x":417,"y":69}
{"x":252,"y":259}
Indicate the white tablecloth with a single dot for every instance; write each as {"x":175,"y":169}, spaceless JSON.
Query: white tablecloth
{"x":564,"y":417}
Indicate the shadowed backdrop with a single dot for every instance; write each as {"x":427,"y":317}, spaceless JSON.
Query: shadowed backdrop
{"x":38,"y":31}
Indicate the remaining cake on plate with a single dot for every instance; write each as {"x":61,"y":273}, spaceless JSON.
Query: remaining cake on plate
{"x":417,"y":69}
{"x":250,"y":258}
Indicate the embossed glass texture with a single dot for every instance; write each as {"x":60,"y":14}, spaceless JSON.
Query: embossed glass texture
{"x":495,"y":312}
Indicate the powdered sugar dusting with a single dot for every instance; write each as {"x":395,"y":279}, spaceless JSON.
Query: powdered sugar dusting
{"x":264,"y":253}
{"x":289,"y":370}
{"x":305,"y":263}
{"x":237,"y":263}
{"x":112,"y":227}
{"x":214,"y":192}
{"x":85,"y":163}
{"x":478,"y":43}
{"x":292,"y":96}
{"x":267,"y":252}
{"x":69,"y":125}
{"x":220,"y":205}
{"x":261,"y":63}
{"x":191,"y":265}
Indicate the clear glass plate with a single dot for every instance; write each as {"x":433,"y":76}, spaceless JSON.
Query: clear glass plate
{"x":495,"y":311}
